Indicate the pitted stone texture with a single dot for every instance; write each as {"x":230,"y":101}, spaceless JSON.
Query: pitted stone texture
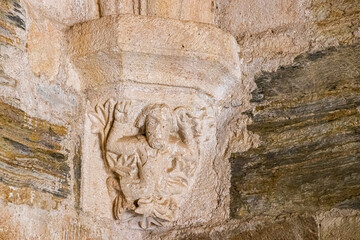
{"x":339,"y":224}
{"x":66,"y":12}
{"x":12,"y":22}
{"x":44,"y":58}
{"x":183,"y":54}
{"x":193,"y":10}
{"x":24,"y":222}
{"x":319,"y":22}
{"x":291,"y":227}
{"x":256,"y":16}
{"x":150,"y":167}
{"x":272,"y":34}
{"x":194,"y":201}
{"x":48,"y":87}
{"x":336,"y":22}
{"x":12,"y":34}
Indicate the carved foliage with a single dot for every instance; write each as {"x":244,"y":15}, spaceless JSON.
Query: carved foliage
{"x":151,"y":170}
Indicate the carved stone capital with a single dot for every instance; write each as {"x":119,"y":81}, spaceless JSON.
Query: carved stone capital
{"x":150,"y":171}
{"x":154,"y":88}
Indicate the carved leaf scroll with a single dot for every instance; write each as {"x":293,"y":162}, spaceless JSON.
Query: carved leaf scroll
{"x":151,"y":170}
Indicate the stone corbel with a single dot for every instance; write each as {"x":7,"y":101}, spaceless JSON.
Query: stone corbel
{"x":152,"y":86}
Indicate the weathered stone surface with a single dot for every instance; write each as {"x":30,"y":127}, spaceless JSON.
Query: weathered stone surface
{"x":149,"y":58}
{"x":24,"y":222}
{"x":66,"y":12}
{"x":12,"y":30}
{"x":6,"y":80}
{"x":77,"y":175}
{"x":127,"y":50}
{"x":29,"y":196}
{"x":44,"y":58}
{"x":292,"y":227}
{"x":12,"y":22}
{"x":325,"y":22}
{"x":336,"y":21}
{"x":307,"y":116}
{"x":272,"y":34}
{"x":182,"y":73}
{"x":304,"y":228}
{"x":295,"y":228}
{"x":194,"y":10}
{"x":199,"y":11}
{"x":258,"y":16}
{"x":31,"y":154}
{"x":339,"y":224}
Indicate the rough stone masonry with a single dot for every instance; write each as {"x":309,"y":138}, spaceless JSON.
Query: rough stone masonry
{"x":180,"y":119}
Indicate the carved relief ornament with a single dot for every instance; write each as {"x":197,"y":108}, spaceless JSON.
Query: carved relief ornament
{"x":148,"y":172}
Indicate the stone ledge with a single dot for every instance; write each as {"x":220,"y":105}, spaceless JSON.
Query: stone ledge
{"x":181,"y":53}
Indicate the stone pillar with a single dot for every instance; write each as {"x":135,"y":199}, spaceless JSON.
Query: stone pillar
{"x":153,"y":87}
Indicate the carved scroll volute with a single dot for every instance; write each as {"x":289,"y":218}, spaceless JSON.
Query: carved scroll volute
{"x":151,"y":171}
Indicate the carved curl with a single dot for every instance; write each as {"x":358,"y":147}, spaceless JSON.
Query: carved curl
{"x":140,"y":122}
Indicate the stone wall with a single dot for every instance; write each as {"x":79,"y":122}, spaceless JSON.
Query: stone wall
{"x":282,"y":161}
{"x":307,"y":118}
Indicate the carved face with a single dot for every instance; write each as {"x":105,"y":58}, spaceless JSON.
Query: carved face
{"x":157,"y":127}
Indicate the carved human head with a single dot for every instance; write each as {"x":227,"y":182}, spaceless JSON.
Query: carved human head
{"x":157,"y":121}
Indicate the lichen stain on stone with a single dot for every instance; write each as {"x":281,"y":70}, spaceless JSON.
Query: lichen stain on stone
{"x":306,"y":115}
{"x":336,"y":19}
{"x":31,"y":153}
{"x":6,"y":80}
{"x":77,"y":175}
{"x":11,"y":21}
{"x":29,"y":196}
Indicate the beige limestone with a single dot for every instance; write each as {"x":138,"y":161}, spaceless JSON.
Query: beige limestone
{"x":44,"y":48}
{"x":114,"y":7}
{"x":65,"y":12}
{"x":148,"y":175}
{"x":194,"y":10}
{"x":67,"y":88}
{"x":199,"y":11}
{"x":127,"y":50}
{"x":175,"y":68}
{"x":142,"y":95}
